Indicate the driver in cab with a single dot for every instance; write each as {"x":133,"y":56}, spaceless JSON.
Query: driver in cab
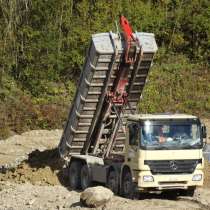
{"x":164,"y":134}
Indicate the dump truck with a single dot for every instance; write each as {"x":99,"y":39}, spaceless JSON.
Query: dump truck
{"x":106,"y":140}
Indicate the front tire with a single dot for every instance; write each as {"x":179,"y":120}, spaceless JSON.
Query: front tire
{"x":85,"y":177}
{"x":112,"y":182}
{"x":74,"y":175}
{"x":127,"y":185}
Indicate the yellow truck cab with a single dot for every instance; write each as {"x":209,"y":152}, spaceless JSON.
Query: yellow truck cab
{"x":164,"y":151}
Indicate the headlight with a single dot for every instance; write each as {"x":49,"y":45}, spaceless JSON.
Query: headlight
{"x":197,"y":177}
{"x":148,"y":178}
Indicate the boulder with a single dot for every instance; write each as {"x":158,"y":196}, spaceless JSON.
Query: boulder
{"x":96,"y":196}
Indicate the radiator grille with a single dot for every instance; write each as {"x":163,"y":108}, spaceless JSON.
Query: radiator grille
{"x":172,"y":166}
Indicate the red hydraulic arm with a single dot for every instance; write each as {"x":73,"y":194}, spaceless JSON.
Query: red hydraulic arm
{"x":129,"y":38}
{"x":118,"y":95}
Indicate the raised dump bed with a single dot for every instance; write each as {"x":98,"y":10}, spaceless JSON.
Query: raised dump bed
{"x":102,"y":62}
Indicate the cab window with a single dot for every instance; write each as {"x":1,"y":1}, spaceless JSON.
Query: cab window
{"x":133,"y":133}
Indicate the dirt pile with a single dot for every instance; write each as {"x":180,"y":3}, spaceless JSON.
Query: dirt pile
{"x":16,"y":148}
{"x":41,"y":168}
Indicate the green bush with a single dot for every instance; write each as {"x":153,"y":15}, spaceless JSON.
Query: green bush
{"x":177,"y":85}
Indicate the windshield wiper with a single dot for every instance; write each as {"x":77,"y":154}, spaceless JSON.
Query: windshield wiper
{"x":163,"y":147}
{"x":154,"y":147}
{"x":188,"y":146}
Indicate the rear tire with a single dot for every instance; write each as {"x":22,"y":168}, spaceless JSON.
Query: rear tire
{"x":85,"y":177}
{"x":74,"y":175}
{"x":127,"y":185}
{"x":112,"y":182}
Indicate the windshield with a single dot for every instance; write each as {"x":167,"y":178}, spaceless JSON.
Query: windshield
{"x":171,"y":135}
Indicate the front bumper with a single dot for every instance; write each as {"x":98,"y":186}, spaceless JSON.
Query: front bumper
{"x":167,"y":181}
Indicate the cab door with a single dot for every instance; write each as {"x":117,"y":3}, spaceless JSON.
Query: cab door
{"x":133,"y":145}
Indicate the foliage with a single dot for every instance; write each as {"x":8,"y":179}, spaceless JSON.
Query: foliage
{"x":43,"y":45}
{"x":176,"y":85}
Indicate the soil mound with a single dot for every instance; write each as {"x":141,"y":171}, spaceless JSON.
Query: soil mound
{"x":41,"y":168}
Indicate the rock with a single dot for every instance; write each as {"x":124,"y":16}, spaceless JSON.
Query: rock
{"x":96,"y":196}
{"x":30,"y":202}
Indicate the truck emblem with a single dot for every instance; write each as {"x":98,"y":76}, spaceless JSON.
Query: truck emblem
{"x":173,"y":165}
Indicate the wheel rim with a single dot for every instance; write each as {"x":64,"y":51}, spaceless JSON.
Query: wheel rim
{"x":73,"y":178}
{"x":84,"y":178}
{"x":127,"y":185}
{"x":112,"y":184}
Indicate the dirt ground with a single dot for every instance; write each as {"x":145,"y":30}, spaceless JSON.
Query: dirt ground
{"x":207,"y":124}
{"x":28,"y":196}
{"x":38,"y":183}
{"x":31,"y":177}
{"x":207,"y":175}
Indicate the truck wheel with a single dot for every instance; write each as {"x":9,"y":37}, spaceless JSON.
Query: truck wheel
{"x":74,"y":175}
{"x":112,"y":182}
{"x":85,"y":177}
{"x":127,"y":185}
{"x":189,"y":192}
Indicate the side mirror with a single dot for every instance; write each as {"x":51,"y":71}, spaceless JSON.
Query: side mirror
{"x":203,"y":130}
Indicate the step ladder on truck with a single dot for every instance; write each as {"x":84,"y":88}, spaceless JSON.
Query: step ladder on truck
{"x":104,"y":138}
